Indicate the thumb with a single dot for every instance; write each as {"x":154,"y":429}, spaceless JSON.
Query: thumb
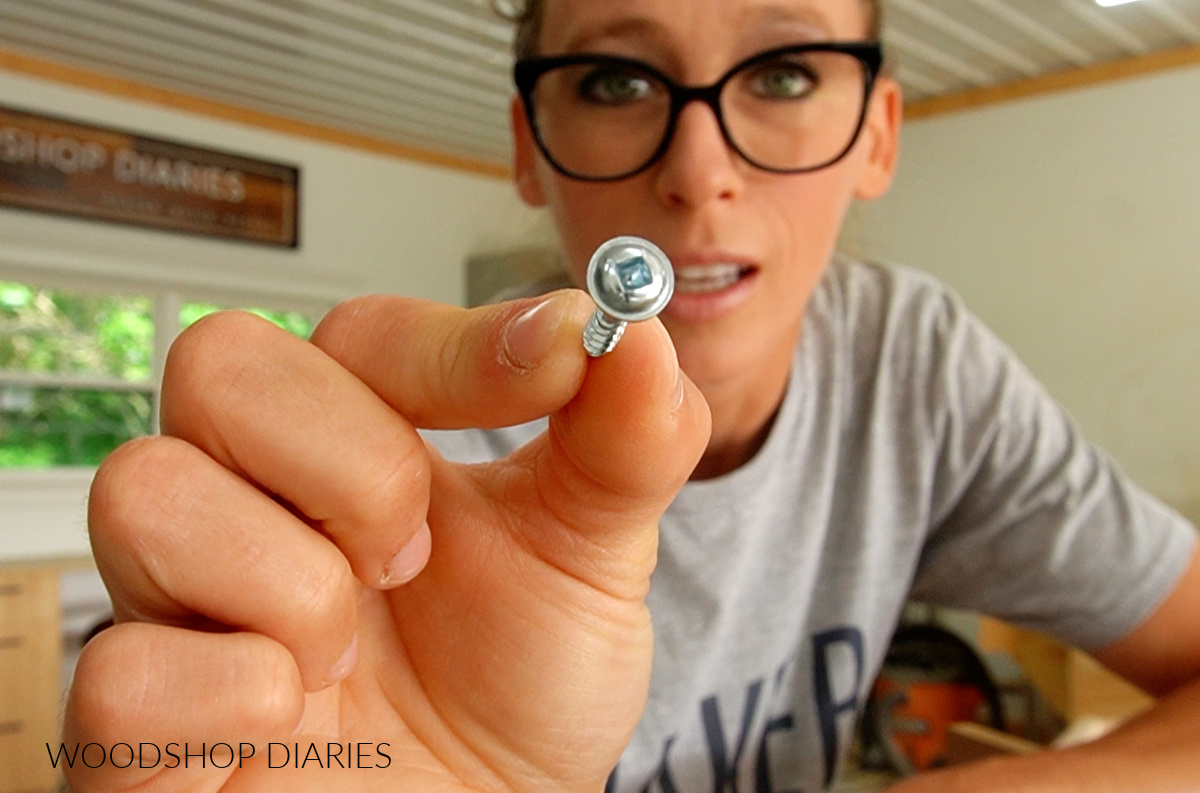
{"x":613,"y":459}
{"x":542,"y":562}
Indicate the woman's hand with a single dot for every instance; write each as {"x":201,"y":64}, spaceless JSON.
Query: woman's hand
{"x":259,"y":554}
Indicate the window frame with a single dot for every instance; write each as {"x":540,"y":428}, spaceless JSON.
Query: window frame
{"x":167,"y":300}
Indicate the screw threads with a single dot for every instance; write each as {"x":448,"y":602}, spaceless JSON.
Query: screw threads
{"x":602,"y":333}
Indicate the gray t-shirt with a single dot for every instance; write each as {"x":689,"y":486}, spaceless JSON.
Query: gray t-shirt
{"x":912,"y":458}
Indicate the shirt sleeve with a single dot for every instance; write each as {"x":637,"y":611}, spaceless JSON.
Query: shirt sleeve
{"x":1030,"y":522}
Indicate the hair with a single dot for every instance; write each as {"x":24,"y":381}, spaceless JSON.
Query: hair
{"x":527,"y":16}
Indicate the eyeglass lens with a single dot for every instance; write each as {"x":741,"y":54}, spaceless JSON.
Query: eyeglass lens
{"x":796,"y":111}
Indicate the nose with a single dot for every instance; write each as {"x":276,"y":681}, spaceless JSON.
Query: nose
{"x":698,"y":166}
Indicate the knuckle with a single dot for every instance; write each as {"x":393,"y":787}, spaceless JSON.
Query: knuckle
{"x":337,"y":329}
{"x":109,"y":692}
{"x":214,"y":352}
{"x":333,"y":326}
{"x":454,"y":355}
{"x":279,"y":697}
{"x":464,"y":355}
{"x":129,"y":483}
{"x":323,"y":597}
{"x":209,"y":337}
{"x":395,"y":486}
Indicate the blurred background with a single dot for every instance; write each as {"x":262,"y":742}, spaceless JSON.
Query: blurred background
{"x":1050,"y":172}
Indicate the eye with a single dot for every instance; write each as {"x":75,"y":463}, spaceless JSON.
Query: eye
{"x":782,"y":80}
{"x":614,"y":85}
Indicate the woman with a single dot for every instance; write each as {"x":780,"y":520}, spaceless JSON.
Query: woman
{"x":851,"y":434}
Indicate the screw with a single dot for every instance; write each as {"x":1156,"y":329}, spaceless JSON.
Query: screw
{"x":631,"y":280}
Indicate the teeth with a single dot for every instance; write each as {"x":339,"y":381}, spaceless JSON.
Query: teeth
{"x":707,"y":278}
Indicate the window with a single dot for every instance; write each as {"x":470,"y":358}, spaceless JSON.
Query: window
{"x":80,"y":368}
{"x":76,"y":375}
{"x":293,"y":321}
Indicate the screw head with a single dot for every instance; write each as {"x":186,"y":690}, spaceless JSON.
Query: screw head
{"x":630,"y":278}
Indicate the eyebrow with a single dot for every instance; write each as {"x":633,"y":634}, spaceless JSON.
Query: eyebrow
{"x":811,"y":21}
{"x":771,"y":15}
{"x":638,"y":28}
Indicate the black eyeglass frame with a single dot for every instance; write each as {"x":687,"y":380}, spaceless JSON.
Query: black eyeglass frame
{"x":527,"y":71}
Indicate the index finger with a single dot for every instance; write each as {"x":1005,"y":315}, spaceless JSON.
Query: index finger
{"x":444,"y":367}
{"x":626,"y":429}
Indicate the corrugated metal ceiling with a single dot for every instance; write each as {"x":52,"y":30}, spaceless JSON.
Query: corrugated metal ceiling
{"x":434,"y":74}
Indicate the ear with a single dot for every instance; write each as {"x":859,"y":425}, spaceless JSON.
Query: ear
{"x":529,"y":187}
{"x":881,"y":133}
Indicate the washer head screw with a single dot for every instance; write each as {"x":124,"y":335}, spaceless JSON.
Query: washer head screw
{"x":630,"y":279}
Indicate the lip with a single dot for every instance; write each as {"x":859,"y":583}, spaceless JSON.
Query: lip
{"x":711,"y":305}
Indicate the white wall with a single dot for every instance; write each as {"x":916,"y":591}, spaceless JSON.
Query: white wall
{"x":368,"y":223}
{"x":1071,"y":223}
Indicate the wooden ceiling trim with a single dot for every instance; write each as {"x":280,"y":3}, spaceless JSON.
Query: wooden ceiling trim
{"x":1066,"y":80}
{"x":130,"y":89}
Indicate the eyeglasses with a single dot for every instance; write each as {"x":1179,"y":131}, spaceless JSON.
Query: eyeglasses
{"x":788,"y":110}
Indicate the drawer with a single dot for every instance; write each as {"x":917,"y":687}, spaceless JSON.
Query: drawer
{"x":26,"y":766}
{"x":30,"y":669}
{"x":25,"y":663}
{"x":28,"y":599}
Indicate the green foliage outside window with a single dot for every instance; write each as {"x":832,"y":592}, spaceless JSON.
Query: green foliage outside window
{"x":52,"y":331}
{"x":47,"y":334}
{"x":54,"y":427}
{"x":291,"y":321}
{"x":77,"y":371}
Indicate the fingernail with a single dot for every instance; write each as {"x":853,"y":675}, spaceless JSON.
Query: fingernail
{"x":345,"y":665}
{"x":530,"y":336}
{"x":411,"y":560}
{"x":679,"y":390}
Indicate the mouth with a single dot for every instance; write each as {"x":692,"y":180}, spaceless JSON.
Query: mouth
{"x":709,"y":278}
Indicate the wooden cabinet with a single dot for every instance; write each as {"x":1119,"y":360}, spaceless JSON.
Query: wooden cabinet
{"x":1072,"y":682}
{"x":30,"y":669}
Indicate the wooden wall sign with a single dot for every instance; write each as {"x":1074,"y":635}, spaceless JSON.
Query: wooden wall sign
{"x":61,"y":166}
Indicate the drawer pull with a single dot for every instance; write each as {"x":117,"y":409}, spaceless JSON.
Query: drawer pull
{"x":10,"y":642}
{"x":11,"y":589}
{"x":11,"y":727}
